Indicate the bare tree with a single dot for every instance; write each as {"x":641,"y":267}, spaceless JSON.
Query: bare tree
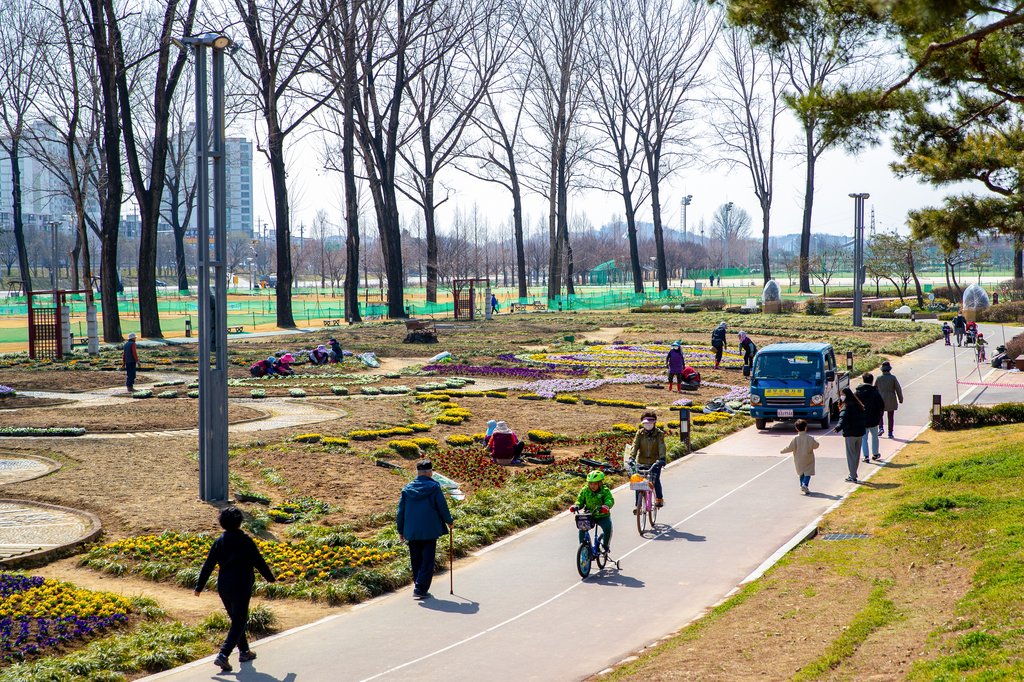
{"x":555,"y":33}
{"x":730,"y":226}
{"x":612,"y":98}
{"x":455,"y":65}
{"x":670,"y":52}
{"x":824,"y":267}
{"x":22,"y":38}
{"x":748,"y":104}
{"x":283,"y":39}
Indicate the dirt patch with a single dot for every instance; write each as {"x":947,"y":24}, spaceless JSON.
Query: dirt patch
{"x":603,"y":335}
{"x":18,"y":402}
{"x":69,"y":381}
{"x":154,"y":414}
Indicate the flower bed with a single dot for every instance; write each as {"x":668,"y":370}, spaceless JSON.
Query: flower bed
{"x":11,"y":431}
{"x":181,"y":555}
{"x":167,"y":394}
{"x":143,"y":394}
{"x":510,"y":372}
{"x":627,"y":357}
{"x":257,"y":393}
{"x":7,"y":391}
{"x":39,"y":616}
{"x":296,"y":393}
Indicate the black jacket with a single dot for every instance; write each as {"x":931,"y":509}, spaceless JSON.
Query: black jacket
{"x":851,"y":419}
{"x":959,"y":322}
{"x":874,"y":406}
{"x":238,"y":556}
{"x":718,"y":337}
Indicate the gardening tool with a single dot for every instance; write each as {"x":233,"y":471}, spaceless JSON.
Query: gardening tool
{"x":451,"y":559}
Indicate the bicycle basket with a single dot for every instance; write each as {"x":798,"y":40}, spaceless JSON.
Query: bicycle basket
{"x":584,"y":521}
{"x":641,"y":486}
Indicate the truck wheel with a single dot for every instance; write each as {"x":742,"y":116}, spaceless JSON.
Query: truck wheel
{"x":827,"y":419}
{"x":761,"y":424}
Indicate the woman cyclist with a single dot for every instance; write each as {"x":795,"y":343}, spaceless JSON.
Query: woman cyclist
{"x":649,"y":451}
{"x":596,"y":499}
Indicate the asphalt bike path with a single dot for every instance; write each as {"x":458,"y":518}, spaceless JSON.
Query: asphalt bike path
{"x":520,"y":611}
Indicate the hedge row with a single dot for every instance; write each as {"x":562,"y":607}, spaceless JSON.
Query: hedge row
{"x":957,"y":417}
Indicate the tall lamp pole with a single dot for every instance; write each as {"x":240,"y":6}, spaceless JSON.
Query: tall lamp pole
{"x":53,"y":255}
{"x":726,"y":236}
{"x":858,"y":257}
{"x":212,"y":251}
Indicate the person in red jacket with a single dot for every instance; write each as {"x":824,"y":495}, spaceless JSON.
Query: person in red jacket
{"x":505,"y":447}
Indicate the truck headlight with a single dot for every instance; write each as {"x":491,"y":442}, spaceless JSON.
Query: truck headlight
{"x":816,"y":399}
{"x":755,"y":399}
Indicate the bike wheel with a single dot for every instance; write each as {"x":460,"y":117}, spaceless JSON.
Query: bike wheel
{"x":583,"y":559}
{"x":641,"y":514}
{"x":600,"y":555}
{"x":652,"y":515}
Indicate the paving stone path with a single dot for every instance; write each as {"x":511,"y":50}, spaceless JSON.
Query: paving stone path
{"x":14,"y":468}
{"x":26,"y":527}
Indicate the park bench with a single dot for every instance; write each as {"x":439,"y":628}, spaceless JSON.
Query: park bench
{"x":332,"y":323}
{"x":235,"y":330}
{"x":536,"y":305}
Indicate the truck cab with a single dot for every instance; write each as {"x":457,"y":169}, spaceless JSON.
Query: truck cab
{"x":791,"y":381}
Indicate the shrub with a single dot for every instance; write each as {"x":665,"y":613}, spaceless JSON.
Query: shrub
{"x":395,"y":390}
{"x":339,"y":390}
{"x":8,"y":431}
{"x":193,"y":394}
{"x":261,"y":619}
{"x":307,"y":438}
{"x":167,"y":394}
{"x":480,"y":437}
{"x":296,"y":393}
{"x":712,"y":303}
{"x":439,"y":397}
{"x":789,"y":306}
{"x":450,"y":420}
{"x":369,"y":390}
{"x":1015,"y":346}
{"x":257,"y":393}
{"x":143,"y":394}
{"x":458,"y":440}
{"x":173,"y":382}
{"x":447,"y":406}
{"x":816,"y":306}
{"x":531,"y":396}
{"x":538,"y":436}
{"x":425,"y":443}
{"x":947,"y":292}
{"x":956,"y":417}
{"x":419,"y":427}
{"x":496,"y":394}
{"x":330,"y":440}
{"x":607,"y":402}
{"x":458,"y":412}
{"x":1012,"y":311}
{"x":567,"y":399}
{"x":626,"y":428}
{"x":406,"y":448}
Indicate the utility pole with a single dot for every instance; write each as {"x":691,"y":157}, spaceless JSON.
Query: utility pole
{"x":54,"y":277}
{"x":685,"y":203}
{"x":858,"y":257}
{"x":725,"y":237}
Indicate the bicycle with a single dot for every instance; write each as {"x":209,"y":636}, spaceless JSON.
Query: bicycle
{"x":591,"y":551}
{"x":646,"y":511}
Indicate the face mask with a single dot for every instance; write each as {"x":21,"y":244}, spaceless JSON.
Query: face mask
{"x":648,"y":425}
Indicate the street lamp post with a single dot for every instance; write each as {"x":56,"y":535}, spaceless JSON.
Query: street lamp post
{"x":212,"y":251}
{"x":726,"y":236}
{"x":685,"y":203}
{"x":53,"y":255}
{"x":858,"y":257}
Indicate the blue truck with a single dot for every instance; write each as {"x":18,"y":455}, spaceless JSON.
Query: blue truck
{"x":791,"y":381}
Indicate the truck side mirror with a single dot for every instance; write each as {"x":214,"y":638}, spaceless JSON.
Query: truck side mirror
{"x":830,"y":375}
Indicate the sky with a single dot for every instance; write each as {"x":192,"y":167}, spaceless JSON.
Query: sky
{"x":838,"y":175}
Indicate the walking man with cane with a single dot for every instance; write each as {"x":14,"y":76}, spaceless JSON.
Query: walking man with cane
{"x":423,"y":517}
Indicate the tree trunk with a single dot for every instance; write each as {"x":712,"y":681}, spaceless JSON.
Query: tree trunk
{"x":19,"y":227}
{"x":945,"y":265}
{"x":917,"y":282}
{"x":282,"y":227}
{"x":805,"y":232}
{"x":653,"y":172}
{"x":179,"y":253}
{"x":350,"y":91}
{"x":766,"y":267}
{"x":634,"y":247}
{"x":517,"y":220}
{"x":76,"y":282}
{"x":431,"y":232}
{"x":391,"y":248}
{"x":555,"y":254}
{"x":1018,"y":261}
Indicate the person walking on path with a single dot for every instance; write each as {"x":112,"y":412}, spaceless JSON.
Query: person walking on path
{"x":803,"y":447}
{"x":718,"y":342}
{"x":494,"y":304}
{"x":748,"y":348}
{"x":237,"y":556}
{"x":675,"y":362}
{"x":422,"y":518}
{"x":130,"y":358}
{"x":959,"y":328}
{"x":892,"y":394}
{"x":851,"y":424}
{"x":874,"y":406}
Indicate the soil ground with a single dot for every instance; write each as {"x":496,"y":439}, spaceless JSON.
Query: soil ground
{"x":65,"y":381}
{"x":154,"y":414}
{"x":19,"y":402}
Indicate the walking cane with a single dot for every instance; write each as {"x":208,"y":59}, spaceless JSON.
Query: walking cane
{"x":451,"y":559}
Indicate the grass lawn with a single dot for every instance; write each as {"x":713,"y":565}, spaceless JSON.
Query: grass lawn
{"x":934,"y":594}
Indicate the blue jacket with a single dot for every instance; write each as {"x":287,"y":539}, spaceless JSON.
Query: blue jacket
{"x":423,"y":511}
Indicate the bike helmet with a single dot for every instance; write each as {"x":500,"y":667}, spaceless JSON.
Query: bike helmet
{"x":595,"y":476}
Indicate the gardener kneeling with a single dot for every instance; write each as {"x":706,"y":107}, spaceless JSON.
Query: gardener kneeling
{"x":504,"y":446}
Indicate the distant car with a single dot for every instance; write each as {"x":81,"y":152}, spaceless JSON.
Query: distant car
{"x":161,"y":283}
{"x":268,"y":281}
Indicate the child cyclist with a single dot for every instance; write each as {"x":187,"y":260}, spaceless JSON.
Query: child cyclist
{"x":595,"y":498}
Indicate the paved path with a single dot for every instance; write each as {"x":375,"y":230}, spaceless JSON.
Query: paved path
{"x":520,"y":611}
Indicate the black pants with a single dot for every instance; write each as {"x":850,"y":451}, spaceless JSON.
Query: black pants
{"x":237,"y":606}
{"x":421,"y":557}
{"x":718,"y":354}
{"x":129,"y":381}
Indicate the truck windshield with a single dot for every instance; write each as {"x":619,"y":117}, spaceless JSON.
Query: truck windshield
{"x":779,"y":366}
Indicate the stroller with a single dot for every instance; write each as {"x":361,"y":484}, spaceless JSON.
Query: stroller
{"x":972,"y":333}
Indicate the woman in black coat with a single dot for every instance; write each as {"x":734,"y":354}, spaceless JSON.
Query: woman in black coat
{"x":853,"y":426}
